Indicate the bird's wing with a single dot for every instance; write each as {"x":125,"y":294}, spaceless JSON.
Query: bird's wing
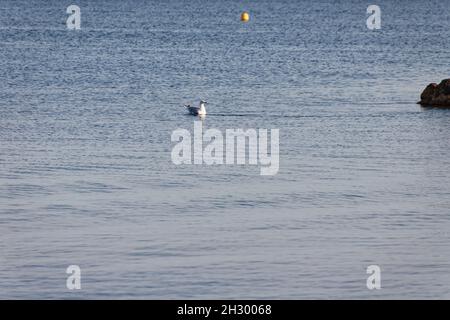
{"x":193,"y":110}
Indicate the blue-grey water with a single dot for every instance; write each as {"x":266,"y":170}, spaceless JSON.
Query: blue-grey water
{"x":86,"y":176}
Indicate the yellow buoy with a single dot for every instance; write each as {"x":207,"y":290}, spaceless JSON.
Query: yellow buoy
{"x":245,"y":16}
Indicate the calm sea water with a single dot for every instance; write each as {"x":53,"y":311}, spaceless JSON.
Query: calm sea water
{"x":86,"y":176}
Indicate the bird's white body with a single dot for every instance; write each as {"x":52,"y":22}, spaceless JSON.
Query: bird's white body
{"x":202,"y":109}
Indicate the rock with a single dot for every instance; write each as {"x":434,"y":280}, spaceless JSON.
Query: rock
{"x":436,"y":95}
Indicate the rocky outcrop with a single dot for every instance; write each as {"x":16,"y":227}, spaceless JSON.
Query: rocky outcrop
{"x":436,"y":95}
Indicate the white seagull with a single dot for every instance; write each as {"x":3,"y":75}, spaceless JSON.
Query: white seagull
{"x":197,"y":111}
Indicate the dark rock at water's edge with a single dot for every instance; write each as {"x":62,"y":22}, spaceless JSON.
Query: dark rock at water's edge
{"x":436,"y":95}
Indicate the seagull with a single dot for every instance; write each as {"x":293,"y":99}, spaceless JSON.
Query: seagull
{"x":197,"y":111}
